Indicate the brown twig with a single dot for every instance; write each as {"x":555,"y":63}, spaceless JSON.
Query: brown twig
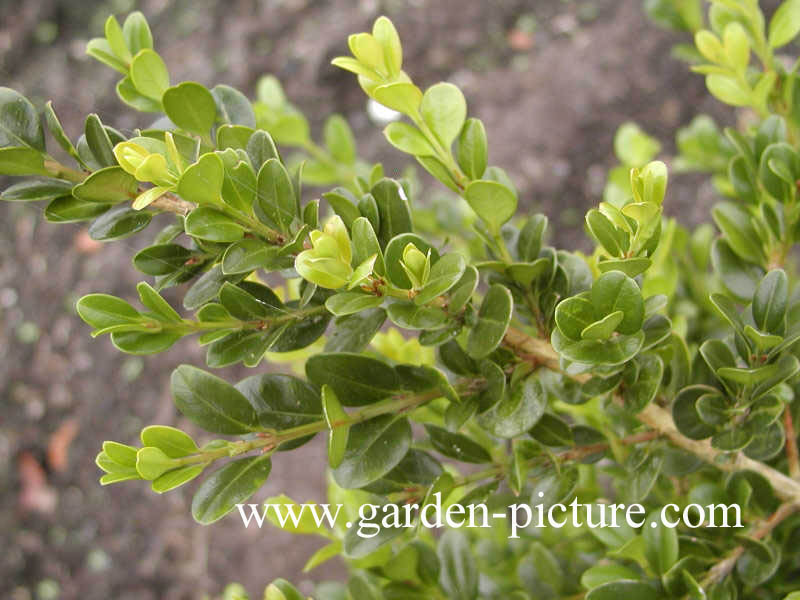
{"x":792,"y":454}
{"x":720,"y":570}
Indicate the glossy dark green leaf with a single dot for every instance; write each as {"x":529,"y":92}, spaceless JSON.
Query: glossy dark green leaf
{"x":770,"y":301}
{"x":393,"y":210}
{"x":457,"y":446}
{"x":139,"y":342}
{"x":161,"y":259}
{"x":281,"y":401}
{"x":615,"y":351}
{"x":99,"y":142}
{"x":615,"y":291}
{"x":211,"y":402}
{"x":374,"y":448}
{"x":19,"y":121}
{"x":34,"y":190}
{"x":249,"y":254}
{"x":275,"y":198}
{"x":494,"y":317}
{"x":354,"y":332}
{"x":411,"y":316}
{"x":119,"y":223}
{"x":518,"y":411}
{"x":228,"y":486}
{"x":212,"y":225}
{"x":347,"y":303}
{"x":357,"y":380}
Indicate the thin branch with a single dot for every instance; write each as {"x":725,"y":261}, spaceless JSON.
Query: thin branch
{"x":792,"y":454}
{"x":720,"y":570}
{"x":660,"y":419}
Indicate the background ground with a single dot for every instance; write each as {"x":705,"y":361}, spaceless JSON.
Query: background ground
{"x":552,"y":80}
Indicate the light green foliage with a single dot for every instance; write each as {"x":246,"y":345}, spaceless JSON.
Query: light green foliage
{"x":662,"y":368}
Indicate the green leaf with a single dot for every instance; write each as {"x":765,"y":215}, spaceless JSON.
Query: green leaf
{"x":136,"y":32}
{"x":624,"y":588}
{"x":494,"y":317}
{"x":555,"y":487}
{"x":770,"y":301}
{"x":35,"y":190}
{"x":347,"y":303}
{"x":191,"y":107}
{"x":633,"y":146}
{"x":233,"y":106}
{"x":457,"y":446}
{"x":107,"y":186}
{"x":472,"y":152}
{"x":461,"y":293}
{"x":602,"y":329}
{"x":785,"y":24}
{"x":343,"y":203}
{"x":151,"y":463}
{"x":275,"y":196}
{"x":153,"y":300}
{"x":447,"y":271}
{"x":99,"y":143}
{"x":444,"y":110}
{"x":201,"y":182}
{"x":739,"y":232}
{"x":630,"y":266}
{"x":374,"y":448}
{"x":613,"y":241}
{"x":128,"y":93}
{"x":685,"y":415}
{"x":335,"y":416}
{"x":119,"y":223}
{"x":649,"y":370}
{"x":739,"y":276}
{"x":573,"y":315}
{"x":19,"y":122}
{"x":102,"y":311}
{"x":212,"y":225}
{"x":175,"y":478}
{"x":604,"y":573}
{"x":281,"y":401}
{"x":402,"y":96}
{"x":518,"y":411}
{"x":661,"y":545}
{"x":22,"y":161}
{"x":492,"y":201}
{"x":357,"y":380}
{"x":211,"y":402}
{"x":393,"y":257}
{"x":339,"y":140}
{"x":615,"y":351}
{"x":459,"y":574}
{"x":149,"y":74}
{"x":161,"y":259}
{"x":393,"y":210}
{"x":231,"y":485}
{"x":100,"y":50}
{"x":411,"y":316}
{"x":173,"y":442}
{"x":249,"y":301}
{"x":408,"y":139}
{"x":615,"y":291}
{"x":353,"y":333}
{"x":249,"y":254}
